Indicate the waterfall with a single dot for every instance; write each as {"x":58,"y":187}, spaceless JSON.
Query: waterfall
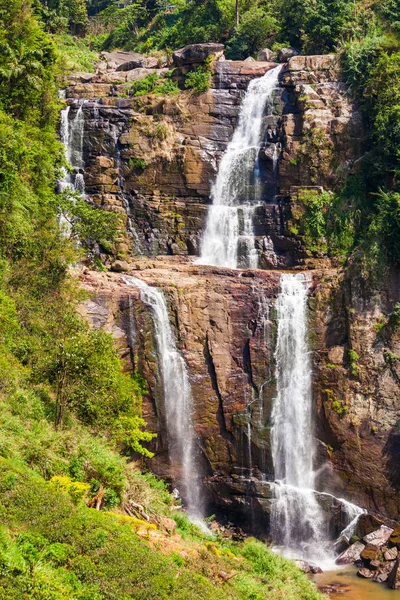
{"x":228,"y":239}
{"x":177,"y":397}
{"x":297,"y":520}
{"x":71,"y":136}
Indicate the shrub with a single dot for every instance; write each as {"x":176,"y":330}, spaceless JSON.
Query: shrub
{"x":198,"y":80}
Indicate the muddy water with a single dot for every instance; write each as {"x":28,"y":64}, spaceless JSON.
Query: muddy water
{"x":353,"y":587}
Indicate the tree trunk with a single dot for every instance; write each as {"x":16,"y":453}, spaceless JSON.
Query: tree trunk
{"x":237,"y":12}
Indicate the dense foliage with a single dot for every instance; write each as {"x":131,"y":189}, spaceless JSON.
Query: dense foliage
{"x":55,"y":372}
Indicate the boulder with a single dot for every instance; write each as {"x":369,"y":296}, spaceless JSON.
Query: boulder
{"x":351,"y":554}
{"x":168,"y":525}
{"x":123,"y":60}
{"x":369,"y":553}
{"x":394,"y":576}
{"x":395,"y":537}
{"x":285,"y":53}
{"x":303,"y":565}
{"x":391,"y":554}
{"x":366,"y":524}
{"x":196,"y":54}
{"x":365,"y":573}
{"x":336,"y":355}
{"x":120,"y":266}
{"x":378,"y":537}
{"x":141,"y":72}
{"x":249,"y":59}
{"x":265,"y":55}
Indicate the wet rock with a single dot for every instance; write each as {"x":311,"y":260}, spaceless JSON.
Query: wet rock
{"x":374,"y":565}
{"x":369,"y":553}
{"x":351,"y":554}
{"x":366,"y":524}
{"x":365,"y":573}
{"x":391,"y":554}
{"x":394,"y":577}
{"x":315,"y":569}
{"x":381,"y":577}
{"x":378,"y":537}
{"x":265,"y":55}
{"x":303,"y":565}
{"x":196,"y":54}
{"x":285,"y":53}
{"x":395,"y":537}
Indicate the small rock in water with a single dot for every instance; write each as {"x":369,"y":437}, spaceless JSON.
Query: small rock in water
{"x":365,"y":573}
{"x":315,"y":569}
{"x":374,"y":565}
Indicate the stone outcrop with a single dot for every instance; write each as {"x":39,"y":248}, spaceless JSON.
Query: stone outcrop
{"x":197,"y":54}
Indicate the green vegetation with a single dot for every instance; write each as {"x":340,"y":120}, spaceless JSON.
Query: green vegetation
{"x":198,"y":80}
{"x":353,"y":362}
{"x":152,"y":84}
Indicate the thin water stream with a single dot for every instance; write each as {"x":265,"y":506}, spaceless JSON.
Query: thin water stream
{"x":177,"y":397}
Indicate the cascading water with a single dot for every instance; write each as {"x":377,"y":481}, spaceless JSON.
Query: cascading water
{"x":177,"y":397}
{"x":228,"y":239}
{"x":71,"y":135}
{"x":298,"y":521}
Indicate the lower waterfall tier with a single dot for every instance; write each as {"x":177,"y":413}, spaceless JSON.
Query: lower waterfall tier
{"x":224,"y":322}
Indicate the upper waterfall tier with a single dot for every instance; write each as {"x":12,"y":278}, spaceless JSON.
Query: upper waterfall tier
{"x":228,"y":239}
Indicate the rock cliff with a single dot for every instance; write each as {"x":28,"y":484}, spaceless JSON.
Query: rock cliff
{"x":153,"y":158}
{"x":225,"y":326}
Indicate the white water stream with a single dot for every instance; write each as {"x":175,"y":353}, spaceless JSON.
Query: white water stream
{"x":177,"y":397}
{"x":228,"y":239}
{"x":299,"y":525}
{"x":71,"y":135}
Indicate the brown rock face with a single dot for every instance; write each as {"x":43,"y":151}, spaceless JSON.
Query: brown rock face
{"x":225,"y":327}
{"x":358,"y":399}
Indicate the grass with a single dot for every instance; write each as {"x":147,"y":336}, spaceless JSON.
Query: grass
{"x":75,"y":55}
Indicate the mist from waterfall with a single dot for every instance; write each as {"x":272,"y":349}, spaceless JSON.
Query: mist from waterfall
{"x":228,"y":239}
{"x":177,"y":398}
